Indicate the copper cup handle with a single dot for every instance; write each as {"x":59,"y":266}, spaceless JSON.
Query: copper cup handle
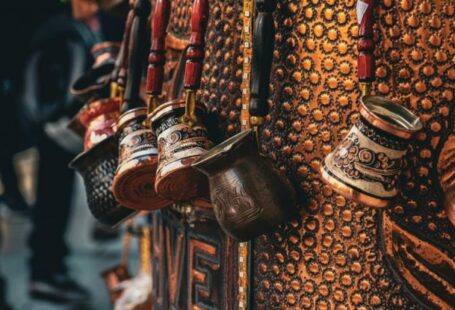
{"x":194,"y":56}
{"x":365,"y":45}
{"x":263,"y":45}
{"x":157,"y":56}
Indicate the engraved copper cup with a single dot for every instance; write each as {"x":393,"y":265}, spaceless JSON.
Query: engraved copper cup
{"x":97,"y":167}
{"x":179,"y":144}
{"x":133,"y":185}
{"x":249,"y":195}
{"x":366,"y":165}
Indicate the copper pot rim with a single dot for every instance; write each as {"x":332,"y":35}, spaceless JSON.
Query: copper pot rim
{"x":223,"y":148}
{"x":171,"y":106}
{"x":130,"y":115}
{"x":352,"y":193}
{"x":407,"y":125}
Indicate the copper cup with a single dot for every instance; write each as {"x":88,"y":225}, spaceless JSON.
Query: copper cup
{"x":97,"y":167}
{"x":366,"y":165}
{"x":249,"y":195}
{"x":99,"y":119}
{"x":133,"y":185}
{"x":179,"y":146}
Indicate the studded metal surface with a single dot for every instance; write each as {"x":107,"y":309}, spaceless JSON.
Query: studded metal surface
{"x":340,"y":255}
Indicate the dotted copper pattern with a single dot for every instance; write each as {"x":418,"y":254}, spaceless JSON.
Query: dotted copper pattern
{"x":179,"y":25}
{"x":340,"y":255}
{"x":222,"y":74}
{"x":334,"y":257}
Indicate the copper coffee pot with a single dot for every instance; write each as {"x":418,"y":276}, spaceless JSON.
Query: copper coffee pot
{"x":133,"y":184}
{"x":249,"y":195}
{"x":97,"y":167}
{"x":366,"y":164}
{"x":182,"y":137}
{"x":98,"y":117}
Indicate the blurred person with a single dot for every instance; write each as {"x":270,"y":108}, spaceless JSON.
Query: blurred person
{"x":59,"y":54}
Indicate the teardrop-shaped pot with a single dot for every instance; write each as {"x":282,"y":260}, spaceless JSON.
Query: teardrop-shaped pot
{"x":97,"y":167}
{"x":249,"y":195}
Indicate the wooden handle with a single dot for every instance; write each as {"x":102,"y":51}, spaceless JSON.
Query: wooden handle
{"x":123,"y":55}
{"x":155,"y":71}
{"x":136,"y":55}
{"x":366,"y":61}
{"x":263,"y":45}
{"x":195,"y":51}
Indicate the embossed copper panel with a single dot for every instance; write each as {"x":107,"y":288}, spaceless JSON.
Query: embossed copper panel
{"x":340,"y":255}
{"x":193,"y":263}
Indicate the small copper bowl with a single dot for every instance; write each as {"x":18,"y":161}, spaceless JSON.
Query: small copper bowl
{"x":179,"y":146}
{"x":134,"y":180}
{"x":97,"y":167}
{"x":366,"y":165}
{"x":99,"y":118}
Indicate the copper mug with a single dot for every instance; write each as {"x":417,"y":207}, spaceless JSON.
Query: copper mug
{"x":249,"y":195}
{"x":179,"y":144}
{"x":97,"y":167}
{"x":99,"y":119}
{"x":133,"y":185}
{"x":366,"y":165}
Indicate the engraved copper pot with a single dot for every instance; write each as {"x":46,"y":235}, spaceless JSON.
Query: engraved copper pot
{"x":97,"y":167}
{"x":249,"y":195}
{"x":366,"y":165}
{"x":133,"y":185}
{"x":179,"y":146}
{"x":99,"y":119}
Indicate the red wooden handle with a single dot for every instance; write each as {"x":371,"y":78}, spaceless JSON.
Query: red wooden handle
{"x":195,"y":51}
{"x":121,"y":80}
{"x":155,"y":71}
{"x":366,"y":61}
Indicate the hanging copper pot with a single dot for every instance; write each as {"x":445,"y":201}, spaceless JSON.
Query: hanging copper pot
{"x":366,"y":165}
{"x":97,"y":167}
{"x":182,"y":137}
{"x":100,"y":120}
{"x":133,"y":184}
{"x":94,"y":84}
{"x":249,"y":195}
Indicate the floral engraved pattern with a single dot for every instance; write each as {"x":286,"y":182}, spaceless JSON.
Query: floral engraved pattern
{"x":362,"y":163}
{"x":232,"y":204}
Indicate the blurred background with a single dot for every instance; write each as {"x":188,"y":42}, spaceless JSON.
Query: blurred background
{"x":52,"y":251}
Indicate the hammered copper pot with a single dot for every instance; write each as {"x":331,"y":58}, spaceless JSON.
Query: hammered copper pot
{"x":249,"y":195}
{"x":179,"y":146}
{"x":366,"y":165}
{"x":97,"y":167}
